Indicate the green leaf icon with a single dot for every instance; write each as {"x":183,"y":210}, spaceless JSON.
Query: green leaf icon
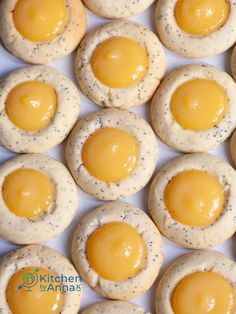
{"x":26,"y":277}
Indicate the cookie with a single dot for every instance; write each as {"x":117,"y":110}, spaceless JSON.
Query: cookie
{"x":193,"y":201}
{"x":118,"y":9}
{"x":38,"y":200}
{"x":120,"y":64}
{"x":233,"y":63}
{"x":198,"y":283}
{"x":114,"y":307}
{"x":37,"y":277}
{"x":112,"y":153}
{"x":233,"y":147}
{"x":197,"y":29}
{"x":194,"y":109}
{"x":101,"y":250}
{"x":38,"y":31}
{"x":49,"y":100}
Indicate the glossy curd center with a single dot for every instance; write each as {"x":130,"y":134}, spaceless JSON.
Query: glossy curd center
{"x":199,"y":104}
{"x":110,"y":154}
{"x":204,"y":293}
{"x":194,"y":198}
{"x":28,"y":193}
{"x":40,"y":20}
{"x":116,"y":251}
{"x":201,"y":17}
{"x":119,"y":62}
{"x":31,"y":105}
{"x":23,"y":301}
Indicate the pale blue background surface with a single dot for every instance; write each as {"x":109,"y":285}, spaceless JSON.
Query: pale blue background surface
{"x":62,"y":243}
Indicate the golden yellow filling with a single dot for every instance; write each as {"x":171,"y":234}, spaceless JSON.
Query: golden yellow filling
{"x":119,"y":62}
{"x":201,"y":17}
{"x":194,"y":198}
{"x":28,"y":192}
{"x":31,"y":105}
{"x":116,"y":251}
{"x":40,"y":20}
{"x":203,"y":293}
{"x":199,"y":104}
{"x":110,"y":154}
{"x":22,"y":301}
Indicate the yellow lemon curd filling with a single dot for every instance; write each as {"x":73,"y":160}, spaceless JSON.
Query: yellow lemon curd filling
{"x":203,"y":293}
{"x":31,"y":105}
{"x":40,"y":20}
{"x":194,"y":198}
{"x":36,"y":301}
{"x":201,"y":17}
{"x":199,"y":104}
{"x":28,"y":193}
{"x":110,"y":154}
{"x":119,"y":62}
{"x":116,"y":251}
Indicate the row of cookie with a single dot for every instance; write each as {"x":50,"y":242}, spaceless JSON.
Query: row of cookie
{"x":39,"y":196}
{"x":139,"y":65}
{"x":197,"y":29}
{"x":55,"y":30}
{"x":194,"y":283}
{"x":224,"y":202}
{"x":50,"y":122}
{"x":186,"y":286}
{"x":193,"y":110}
{"x":91,"y":164}
{"x":175,"y":100}
{"x":39,"y":32}
{"x":191,"y":200}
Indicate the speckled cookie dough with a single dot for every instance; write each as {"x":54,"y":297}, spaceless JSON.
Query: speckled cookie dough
{"x":201,"y":261}
{"x":195,"y":46}
{"x":195,"y":237}
{"x":118,"y":212}
{"x":66,"y":115}
{"x":117,"y":9}
{"x":233,"y":63}
{"x":60,"y":213}
{"x":171,"y":132}
{"x":114,"y":307}
{"x":42,"y":257}
{"x":43,"y":52}
{"x":124,"y":120}
{"x":233,"y":147}
{"x":135,"y":94}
